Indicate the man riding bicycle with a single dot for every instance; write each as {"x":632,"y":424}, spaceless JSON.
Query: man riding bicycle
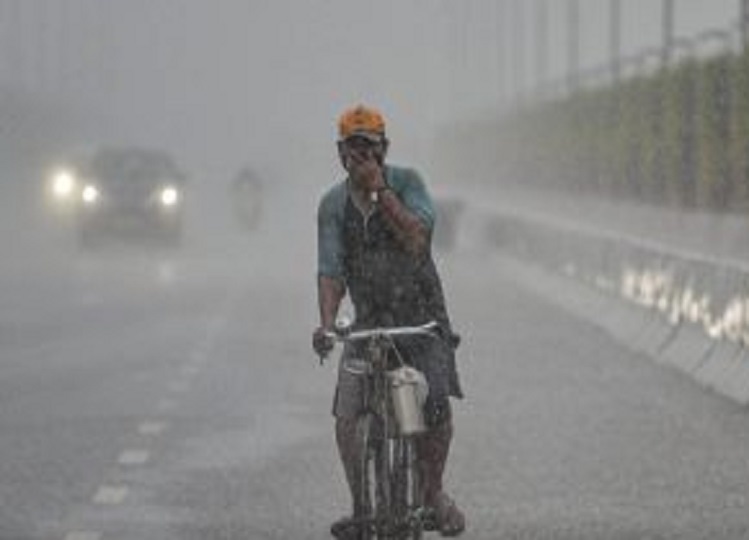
{"x":374,"y":242}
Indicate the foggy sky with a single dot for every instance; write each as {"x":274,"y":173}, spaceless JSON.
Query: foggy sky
{"x":228,"y":82}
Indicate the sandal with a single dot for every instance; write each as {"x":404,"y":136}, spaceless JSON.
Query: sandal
{"x":346,"y":528}
{"x":448,"y":519}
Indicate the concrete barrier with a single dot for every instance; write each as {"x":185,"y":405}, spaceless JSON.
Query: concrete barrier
{"x":693,"y":309}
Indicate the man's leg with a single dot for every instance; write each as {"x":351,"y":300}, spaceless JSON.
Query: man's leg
{"x":347,"y":407}
{"x":433,"y":448}
{"x":349,"y":450}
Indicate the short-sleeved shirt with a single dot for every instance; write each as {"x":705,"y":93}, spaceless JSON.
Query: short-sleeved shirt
{"x":388,"y":285}
{"x":407,"y":185}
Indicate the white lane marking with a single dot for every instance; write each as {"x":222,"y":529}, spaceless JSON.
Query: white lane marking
{"x":110,"y":495}
{"x":83,"y":535}
{"x":133,"y":457}
{"x":178,"y":387}
{"x":152,"y":428}
{"x":166,"y":405}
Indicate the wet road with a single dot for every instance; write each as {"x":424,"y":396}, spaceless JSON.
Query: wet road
{"x":175,"y":397}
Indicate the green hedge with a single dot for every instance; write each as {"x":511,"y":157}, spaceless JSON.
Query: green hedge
{"x":678,"y":137}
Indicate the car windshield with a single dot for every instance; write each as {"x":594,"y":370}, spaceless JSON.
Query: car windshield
{"x":115,"y":165}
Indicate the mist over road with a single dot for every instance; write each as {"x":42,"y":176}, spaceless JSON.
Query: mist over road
{"x":152,"y":395}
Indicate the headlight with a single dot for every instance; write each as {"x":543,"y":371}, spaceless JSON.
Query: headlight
{"x":90,"y":194}
{"x":63,"y":183}
{"x":169,"y":196}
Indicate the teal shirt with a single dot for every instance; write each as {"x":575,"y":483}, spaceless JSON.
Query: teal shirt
{"x":407,"y":185}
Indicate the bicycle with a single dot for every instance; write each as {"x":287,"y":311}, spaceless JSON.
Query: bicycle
{"x":387,"y":432}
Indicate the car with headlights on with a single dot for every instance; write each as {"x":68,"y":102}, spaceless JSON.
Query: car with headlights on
{"x":129,"y":192}
{"x":63,"y":192}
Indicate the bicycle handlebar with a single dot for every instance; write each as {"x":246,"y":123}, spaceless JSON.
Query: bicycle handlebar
{"x":426,"y":329}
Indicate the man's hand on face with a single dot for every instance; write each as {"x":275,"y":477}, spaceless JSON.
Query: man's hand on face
{"x":364,"y":167}
{"x":367,"y":173}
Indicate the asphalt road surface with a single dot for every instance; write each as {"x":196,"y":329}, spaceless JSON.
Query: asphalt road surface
{"x":175,"y":397}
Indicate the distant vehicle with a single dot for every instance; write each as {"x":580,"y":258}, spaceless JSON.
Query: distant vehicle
{"x":63,"y":189}
{"x":247,"y":198}
{"x":130,"y":192}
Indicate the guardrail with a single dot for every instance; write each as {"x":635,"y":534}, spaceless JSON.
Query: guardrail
{"x":694,"y":310}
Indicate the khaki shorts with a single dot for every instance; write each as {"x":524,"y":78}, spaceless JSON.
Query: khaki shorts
{"x":348,"y":401}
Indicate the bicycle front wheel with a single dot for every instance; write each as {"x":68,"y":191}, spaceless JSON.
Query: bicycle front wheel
{"x":374,"y":493}
{"x":390,"y":491}
{"x":407,"y":493}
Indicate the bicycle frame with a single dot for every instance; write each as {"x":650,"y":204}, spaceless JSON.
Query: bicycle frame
{"x":386,"y":456}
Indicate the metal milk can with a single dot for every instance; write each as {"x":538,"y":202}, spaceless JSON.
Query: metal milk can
{"x":408,"y":390}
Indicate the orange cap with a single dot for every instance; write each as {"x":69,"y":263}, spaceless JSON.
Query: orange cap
{"x":362,"y":121}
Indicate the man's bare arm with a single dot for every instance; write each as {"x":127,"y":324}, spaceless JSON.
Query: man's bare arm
{"x":408,"y":228}
{"x":410,"y":231}
{"x":330,"y":292}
